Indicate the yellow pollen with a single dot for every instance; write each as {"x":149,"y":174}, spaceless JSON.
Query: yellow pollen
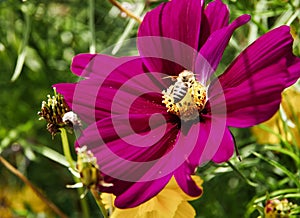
{"x":186,"y":98}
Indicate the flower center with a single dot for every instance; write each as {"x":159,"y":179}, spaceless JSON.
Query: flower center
{"x":186,"y":98}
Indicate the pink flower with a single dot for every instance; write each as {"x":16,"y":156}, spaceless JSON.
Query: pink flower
{"x":163,"y":113}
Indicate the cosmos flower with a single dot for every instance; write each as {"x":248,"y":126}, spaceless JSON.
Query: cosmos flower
{"x":170,"y":202}
{"x":163,"y":113}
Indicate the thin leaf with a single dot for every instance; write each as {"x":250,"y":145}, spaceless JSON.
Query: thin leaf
{"x":284,"y":151}
{"x":276,"y":193}
{"x":51,"y":154}
{"x":295,"y":211}
{"x":22,"y":55}
{"x":293,"y":177}
{"x":242,"y":175}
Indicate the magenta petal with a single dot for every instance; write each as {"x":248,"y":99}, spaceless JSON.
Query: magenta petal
{"x":140,"y":192}
{"x":178,"y":19}
{"x":226,"y":148}
{"x":81,"y":98}
{"x":80,"y":63}
{"x":132,"y":148}
{"x":129,"y":100}
{"x":166,"y":55}
{"x":253,"y":100}
{"x":209,"y":137}
{"x":214,"y":142}
{"x":67,"y":90}
{"x":294,"y":71}
{"x":131,"y":158}
{"x":113,"y":87}
{"x":201,"y":134}
{"x":254,"y":81}
{"x":128,"y":89}
{"x":267,"y":50}
{"x":215,"y":45}
{"x":97,"y":65}
{"x":184,"y":180}
{"x":216,"y":16}
{"x":170,"y":33}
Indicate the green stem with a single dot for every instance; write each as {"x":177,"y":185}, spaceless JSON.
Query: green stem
{"x":66,"y":148}
{"x":68,"y":156}
{"x":67,"y":153}
{"x":241,"y":175}
{"x":99,"y":202}
{"x":92,"y":26}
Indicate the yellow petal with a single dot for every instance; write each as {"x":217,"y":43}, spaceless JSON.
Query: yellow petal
{"x":185,"y":210}
{"x":119,"y":213}
{"x":276,"y":124}
{"x":170,"y":202}
{"x":108,"y":200}
{"x":174,"y":186}
{"x":166,"y":203}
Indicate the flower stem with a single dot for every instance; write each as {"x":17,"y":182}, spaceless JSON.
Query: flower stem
{"x":92,"y":26}
{"x":67,"y":153}
{"x":99,"y":202}
{"x":16,"y":172}
{"x":66,"y":148}
{"x":127,"y":12}
{"x":241,"y":175}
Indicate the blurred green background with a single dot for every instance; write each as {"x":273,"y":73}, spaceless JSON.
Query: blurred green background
{"x":37,"y":42}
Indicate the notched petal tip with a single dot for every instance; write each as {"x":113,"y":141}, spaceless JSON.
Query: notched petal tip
{"x":185,"y":181}
{"x":241,"y":20}
{"x":215,"y":45}
{"x":80,"y":63}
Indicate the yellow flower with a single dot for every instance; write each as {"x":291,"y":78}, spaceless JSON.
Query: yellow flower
{"x":278,"y":208}
{"x":20,"y":200}
{"x":171,"y":202}
{"x":285,"y":117}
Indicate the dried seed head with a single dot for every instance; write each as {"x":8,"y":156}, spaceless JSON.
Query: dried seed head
{"x":53,"y":111}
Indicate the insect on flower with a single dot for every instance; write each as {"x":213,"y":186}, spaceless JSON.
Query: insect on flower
{"x":181,"y":86}
{"x":186,"y":97}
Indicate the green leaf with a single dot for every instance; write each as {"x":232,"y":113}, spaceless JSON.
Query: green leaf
{"x":284,"y":151}
{"x":50,"y":153}
{"x":22,"y":54}
{"x":282,"y":192}
{"x":291,"y":175}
